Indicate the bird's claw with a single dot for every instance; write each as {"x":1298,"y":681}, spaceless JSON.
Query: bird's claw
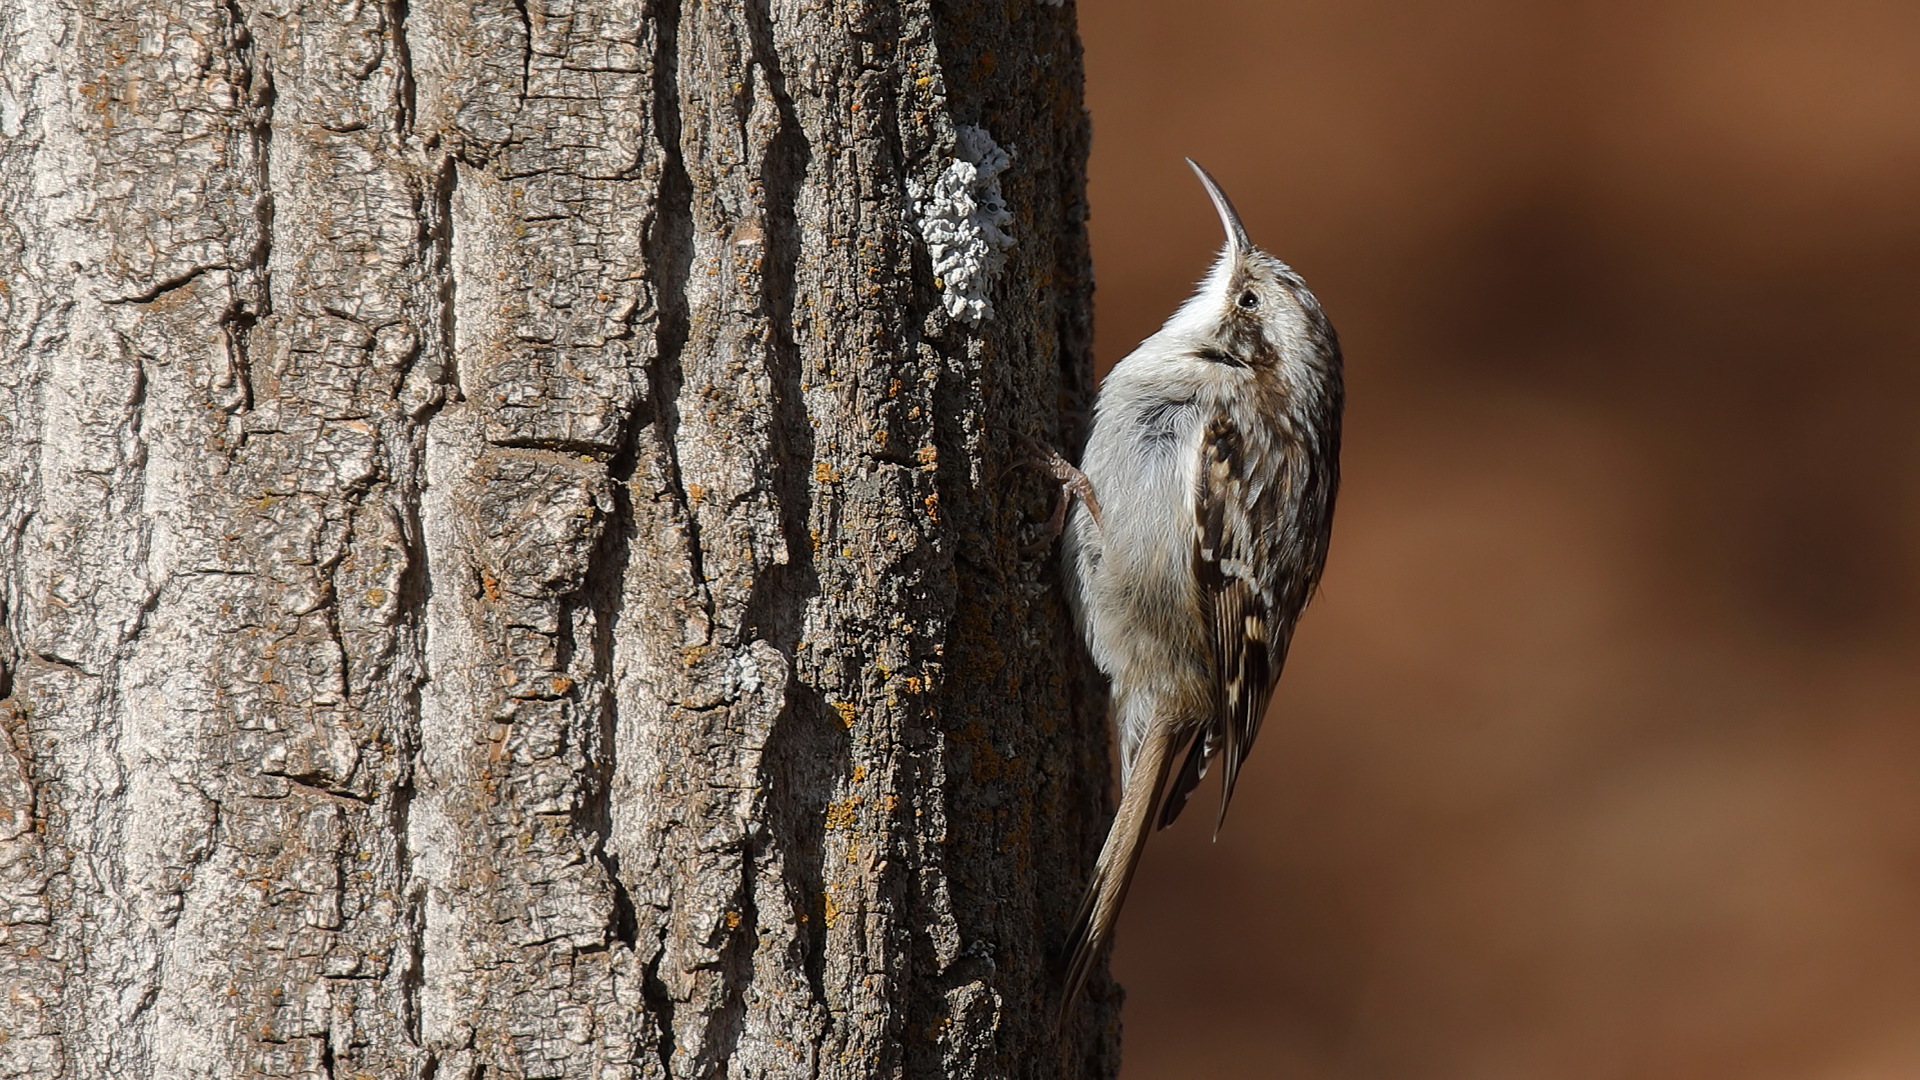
{"x":1073,"y":484}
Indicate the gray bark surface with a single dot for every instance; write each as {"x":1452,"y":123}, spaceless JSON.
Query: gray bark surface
{"x":512,"y":566}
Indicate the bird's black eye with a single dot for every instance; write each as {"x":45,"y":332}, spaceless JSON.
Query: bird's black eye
{"x":1249,"y":300}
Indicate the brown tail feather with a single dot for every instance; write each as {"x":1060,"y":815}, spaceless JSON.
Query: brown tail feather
{"x":1126,"y":838}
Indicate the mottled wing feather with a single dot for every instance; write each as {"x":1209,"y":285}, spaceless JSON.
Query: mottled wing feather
{"x":1227,"y":549}
{"x":1240,"y":636}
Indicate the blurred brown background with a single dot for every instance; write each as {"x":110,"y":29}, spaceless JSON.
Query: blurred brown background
{"x":1599,"y":755}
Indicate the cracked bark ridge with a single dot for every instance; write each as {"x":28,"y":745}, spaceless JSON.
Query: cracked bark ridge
{"x":509,"y":565}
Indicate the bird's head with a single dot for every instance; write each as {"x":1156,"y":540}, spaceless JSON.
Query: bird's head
{"x":1252,"y":313}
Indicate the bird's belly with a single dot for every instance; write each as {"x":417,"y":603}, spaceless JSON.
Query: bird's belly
{"x":1141,"y":601}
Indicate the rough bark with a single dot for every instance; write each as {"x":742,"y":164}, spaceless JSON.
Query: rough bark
{"x":513,"y":565}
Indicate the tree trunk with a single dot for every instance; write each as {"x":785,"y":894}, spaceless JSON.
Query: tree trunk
{"x":514,"y":563}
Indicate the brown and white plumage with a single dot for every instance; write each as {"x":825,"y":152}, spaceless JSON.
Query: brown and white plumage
{"x":1215,"y":456}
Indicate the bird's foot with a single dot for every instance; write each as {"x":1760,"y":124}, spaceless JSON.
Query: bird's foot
{"x":1073,"y":484}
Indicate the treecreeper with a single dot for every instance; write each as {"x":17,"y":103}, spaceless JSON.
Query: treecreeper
{"x":1200,"y":534}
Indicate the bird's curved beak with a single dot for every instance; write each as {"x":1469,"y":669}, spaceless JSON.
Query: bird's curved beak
{"x":1237,"y":241}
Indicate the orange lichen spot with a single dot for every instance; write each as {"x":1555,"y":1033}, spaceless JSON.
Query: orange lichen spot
{"x":376,"y":597}
{"x":859,"y":773}
{"x":490,"y":585}
{"x":829,"y":911}
{"x":825,"y":473}
{"x":846,"y":711}
{"x":928,"y":454}
{"x":932,"y":503}
{"x":560,"y":684}
{"x":843,"y":813}
{"x":733,"y":920}
{"x":893,"y":389}
{"x":695,"y":493}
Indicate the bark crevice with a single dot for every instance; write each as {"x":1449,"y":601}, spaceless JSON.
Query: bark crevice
{"x":166,"y":285}
{"x":449,"y":377}
{"x":782,"y":590}
{"x":605,"y":591}
{"x":405,"y":105}
{"x":668,"y":252}
{"x":526,"y":49}
{"x":659,"y":1001}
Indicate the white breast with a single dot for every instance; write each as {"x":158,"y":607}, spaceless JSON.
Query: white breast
{"x":1133,"y":575}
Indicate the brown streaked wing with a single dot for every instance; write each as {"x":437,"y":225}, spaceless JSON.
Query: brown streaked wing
{"x":1226,"y":548}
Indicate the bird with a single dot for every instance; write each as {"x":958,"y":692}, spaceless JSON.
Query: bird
{"x":1214,"y":452}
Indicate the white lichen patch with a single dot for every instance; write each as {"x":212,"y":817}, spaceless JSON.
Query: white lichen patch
{"x":964,"y":221}
{"x":746,"y":670}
